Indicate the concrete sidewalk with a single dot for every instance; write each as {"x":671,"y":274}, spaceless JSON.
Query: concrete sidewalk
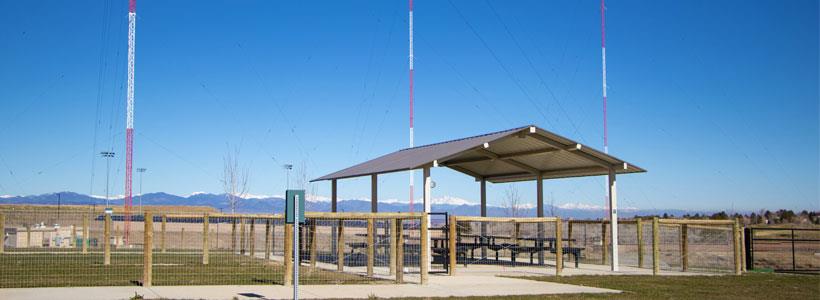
{"x":439,"y":286}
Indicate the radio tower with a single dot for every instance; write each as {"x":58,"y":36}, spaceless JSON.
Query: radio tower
{"x":610,"y":202}
{"x":603,"y":72}
{"x":410,"y":23}
{"x":129,"y":114}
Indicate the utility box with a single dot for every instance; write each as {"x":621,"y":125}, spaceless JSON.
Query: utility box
{"x":294,"y":197}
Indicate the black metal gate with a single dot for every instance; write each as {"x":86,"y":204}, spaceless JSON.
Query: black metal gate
{"x":439,"y":245}
{"x":783,"y":249}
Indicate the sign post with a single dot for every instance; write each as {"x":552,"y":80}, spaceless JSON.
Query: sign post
{"x":295,"y":214}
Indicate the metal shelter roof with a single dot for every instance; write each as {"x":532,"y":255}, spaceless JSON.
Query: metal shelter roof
{"x":518,"y":154}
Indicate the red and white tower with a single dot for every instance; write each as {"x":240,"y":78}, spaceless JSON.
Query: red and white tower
{"x":410,"y":60}
{"x":611,"y":200}
{"x":129,"y":114}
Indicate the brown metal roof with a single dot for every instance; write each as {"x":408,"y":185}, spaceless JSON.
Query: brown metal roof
{"x":517,"y":154}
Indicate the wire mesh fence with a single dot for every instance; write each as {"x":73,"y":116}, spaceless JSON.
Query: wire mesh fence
{"x":90,"y":248}
{"x":662,"y":245}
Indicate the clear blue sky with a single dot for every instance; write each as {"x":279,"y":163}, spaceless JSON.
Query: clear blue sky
{"x":717,"y":99}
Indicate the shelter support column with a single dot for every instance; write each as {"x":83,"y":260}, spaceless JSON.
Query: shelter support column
{"x":613,"y":217}
{"x":333,"y":208}
{"x":374,"y":193}
{"x":426,"y":258}
{"x":333,"y":198}
{"x":539,"y":184}
{"x":483,"y":229}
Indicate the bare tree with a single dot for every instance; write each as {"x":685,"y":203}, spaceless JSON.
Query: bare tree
{"x":512,"y":202}
{"x":234,"y":178}
{"x":303,"y":183}
{"x":553,"y":209}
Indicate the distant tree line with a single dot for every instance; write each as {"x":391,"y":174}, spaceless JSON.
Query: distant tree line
{"x":782,"y":216}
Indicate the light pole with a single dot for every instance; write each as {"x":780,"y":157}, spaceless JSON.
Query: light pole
{"x":141,"y":170}
{"x":287,"y":168}
{"x":107,"y":155}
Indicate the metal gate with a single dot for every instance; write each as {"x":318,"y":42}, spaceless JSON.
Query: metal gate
{"x":783,"y":249}
{"x":439,"y":242}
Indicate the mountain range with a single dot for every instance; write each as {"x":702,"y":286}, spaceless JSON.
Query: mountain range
{"x":275,"y":204}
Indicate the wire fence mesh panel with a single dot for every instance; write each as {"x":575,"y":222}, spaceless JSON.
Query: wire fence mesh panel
{"x":628,"y":247}
{"x":710,"y":249}
{"x":89,"y":248}
{"x":589,"y":236}
{"x":345,"y":248}
{"x":67,"y":248}
{"x":670,"y":248}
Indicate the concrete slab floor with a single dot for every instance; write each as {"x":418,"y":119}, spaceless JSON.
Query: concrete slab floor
{"x":439,"y":286}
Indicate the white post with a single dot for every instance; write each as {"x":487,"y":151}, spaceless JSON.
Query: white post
{"x":296,"y":247}
{"x":613,"y":217}
{"x":427,"y":205}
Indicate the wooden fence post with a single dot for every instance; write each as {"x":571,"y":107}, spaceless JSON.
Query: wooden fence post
{"x":604,"y":242}
{"x":393,"y":232}
{"x":569,"y":233}
{"x":736,"y":243}
{"x":86,"y":232}
{"x":684,"y":247}
{"x":233,"y":235}
{"x":267,"y":239}
{"x":72,"y":243}
{"x":559,"y":247}
{"x":313,"y":246}
{"x":28,"y":236}
{"x":107,"y":240}
{"x":241,"y":235}
{"x":288,"y":279}
{"x":162,"y":233}
{"x":656,"y":249}
{"x":742,"y":244}
{"x":340,"y":247}
{"x":252,"y":238}
{"x":272,"y":235}
{"x":205,"y":231}
{"x":452,"y":239}
{"x":148,"y":250}
{"x":425,"y":249}
{"x":399,"y":251}
{"x":370,"y":249}
{"x":640,"y":242}
{"x":2,"y":232}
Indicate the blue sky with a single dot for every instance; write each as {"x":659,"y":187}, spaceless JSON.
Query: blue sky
{"x":718,"y":100}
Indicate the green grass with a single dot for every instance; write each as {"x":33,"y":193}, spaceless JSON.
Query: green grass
{"x":76,"y":269}
{"x":748,"y":286}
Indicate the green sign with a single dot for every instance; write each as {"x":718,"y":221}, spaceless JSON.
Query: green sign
{"x":291,"y":197}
